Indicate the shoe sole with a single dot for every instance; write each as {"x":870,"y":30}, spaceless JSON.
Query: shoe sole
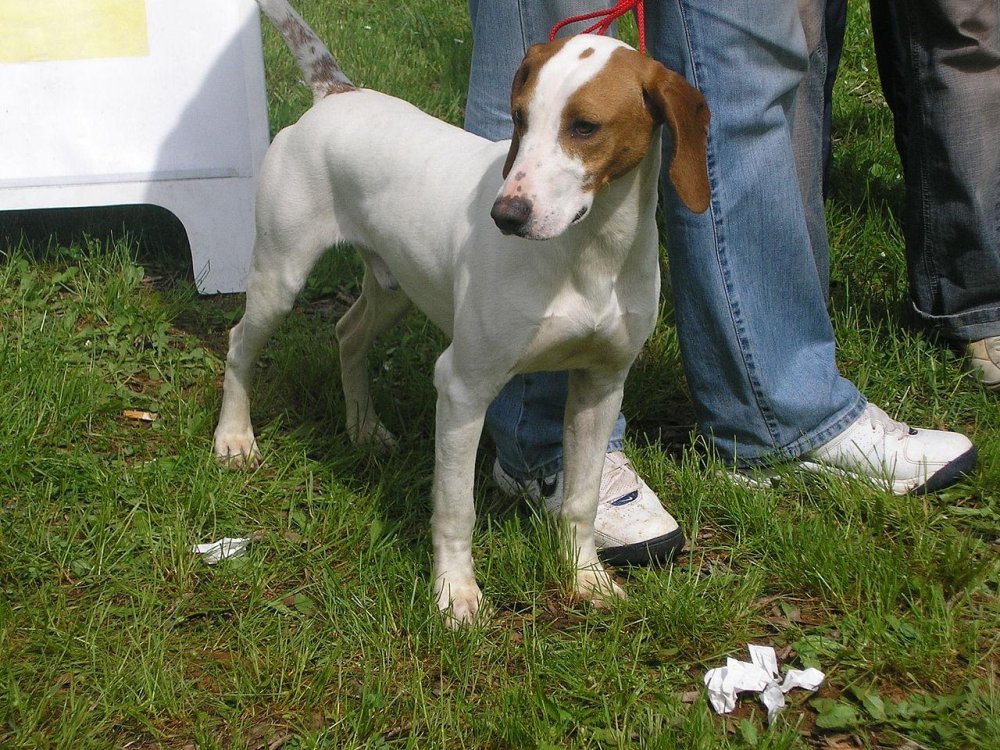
{"x":658,"y":550}
{"x":947,"y":475}
{"x":661,"y":549}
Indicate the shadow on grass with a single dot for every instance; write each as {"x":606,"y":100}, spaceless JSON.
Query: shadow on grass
{"x":160,"y":240}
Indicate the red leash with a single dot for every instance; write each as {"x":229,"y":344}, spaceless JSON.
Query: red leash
{"x":608,"y":17}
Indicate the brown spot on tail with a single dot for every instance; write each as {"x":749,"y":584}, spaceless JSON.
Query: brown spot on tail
{"x":327,"y":78}
{"x":319,"y":68}
{"x":295,"y":32}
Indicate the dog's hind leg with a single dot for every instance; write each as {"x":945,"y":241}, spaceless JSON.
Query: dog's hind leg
{"x":277,"y":275}
{"x":374,"y":312}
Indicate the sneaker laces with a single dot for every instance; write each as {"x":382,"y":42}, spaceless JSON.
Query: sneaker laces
{"x":879,"y":419}
{"x":619,"y":484}
{"x":619,"y":481}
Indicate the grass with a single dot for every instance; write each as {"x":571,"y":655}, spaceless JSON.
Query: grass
{"x":112,"y":634}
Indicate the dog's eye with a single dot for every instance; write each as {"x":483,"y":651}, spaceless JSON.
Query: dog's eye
{"x":583,"y":128}
{"x":518,"y":117}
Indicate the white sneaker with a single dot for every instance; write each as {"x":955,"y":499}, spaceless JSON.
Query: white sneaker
{"x":878,"y":448}
{"x":631,"y":528}
{"x":984,"y":360}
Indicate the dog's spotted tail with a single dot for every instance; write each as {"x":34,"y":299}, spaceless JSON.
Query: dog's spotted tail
{"x":321,"y":71}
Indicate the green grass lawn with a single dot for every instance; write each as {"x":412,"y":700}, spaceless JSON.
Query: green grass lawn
{"x":325,"y":635}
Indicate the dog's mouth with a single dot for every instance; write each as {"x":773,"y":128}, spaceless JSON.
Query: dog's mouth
{"x":513,"y":216}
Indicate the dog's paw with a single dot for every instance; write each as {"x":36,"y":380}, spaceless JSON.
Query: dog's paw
{"x":237,"y":450}
{"x":595,"y":586}
{"x":374,"y":434}
{"x":460,"y":603}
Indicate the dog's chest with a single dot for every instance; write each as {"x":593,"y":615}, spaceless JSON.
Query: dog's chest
{"x":580,"y":333}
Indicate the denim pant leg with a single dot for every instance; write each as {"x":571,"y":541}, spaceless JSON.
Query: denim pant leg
{"x":939,"y":61}
{"x":809,"y":137}
{"x":526,"y":420}
{"x":836,"y":28}
{"x":755,"y":335}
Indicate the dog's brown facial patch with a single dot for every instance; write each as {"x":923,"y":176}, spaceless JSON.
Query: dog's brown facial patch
{"x":608,"y":124}
{"x":605,"y":123}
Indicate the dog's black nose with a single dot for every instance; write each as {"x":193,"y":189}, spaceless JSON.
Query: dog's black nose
{"x":511,"y":214}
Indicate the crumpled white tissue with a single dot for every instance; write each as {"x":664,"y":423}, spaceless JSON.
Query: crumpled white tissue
{"x":760,"y":675}
{"x":223,"y":549}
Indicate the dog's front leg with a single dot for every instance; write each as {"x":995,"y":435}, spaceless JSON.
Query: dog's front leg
{"x":591,"y":410}
{"x":461,"y":411}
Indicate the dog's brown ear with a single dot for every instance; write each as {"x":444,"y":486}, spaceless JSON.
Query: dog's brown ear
{"x":682,"y":108}
{"x":515,"y":142}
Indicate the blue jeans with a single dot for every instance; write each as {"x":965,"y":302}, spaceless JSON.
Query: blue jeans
{"x":835,"y":15}
{"x":748,"y":276}
{"x":939,"y":62}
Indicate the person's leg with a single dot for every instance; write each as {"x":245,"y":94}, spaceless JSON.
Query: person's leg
{"x":750,"y":303}
{"x":755,"y":335}
{"x":526,"y":419}
{"x":836,"y":27}
{"x":721,"y":304}
{"x":939,"y":62}
{"x":807,"y":124}
{"x":890,"y":60}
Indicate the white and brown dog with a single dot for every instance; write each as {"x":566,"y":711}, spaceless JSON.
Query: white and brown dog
{"x":415,"y":196}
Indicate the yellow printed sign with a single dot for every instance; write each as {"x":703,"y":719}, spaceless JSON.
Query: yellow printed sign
{"x":37,"y":30}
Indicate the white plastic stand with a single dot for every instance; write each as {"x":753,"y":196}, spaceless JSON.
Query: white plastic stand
{"x":118,"y":102}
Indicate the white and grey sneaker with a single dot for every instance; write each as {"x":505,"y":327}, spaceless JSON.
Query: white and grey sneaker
{"x":906,"y":460}
{"x":984,"y":361}
{"x":631,"y":528}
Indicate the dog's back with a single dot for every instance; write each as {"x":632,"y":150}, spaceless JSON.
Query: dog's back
{"x":330,"y":173}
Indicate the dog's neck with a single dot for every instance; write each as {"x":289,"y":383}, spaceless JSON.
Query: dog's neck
{"x":620,"y":217}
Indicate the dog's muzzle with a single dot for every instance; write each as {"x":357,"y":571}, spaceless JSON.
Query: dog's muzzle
{"x":511,"y":214}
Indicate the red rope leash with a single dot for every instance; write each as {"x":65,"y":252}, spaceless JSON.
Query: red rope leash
{"x":608,"y":17}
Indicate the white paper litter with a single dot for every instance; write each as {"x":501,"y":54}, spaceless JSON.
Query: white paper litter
{"x":223,"y":549}
{"x":759,"y":675}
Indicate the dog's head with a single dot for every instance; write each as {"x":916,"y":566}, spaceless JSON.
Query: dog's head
{"x":585,"y":112}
